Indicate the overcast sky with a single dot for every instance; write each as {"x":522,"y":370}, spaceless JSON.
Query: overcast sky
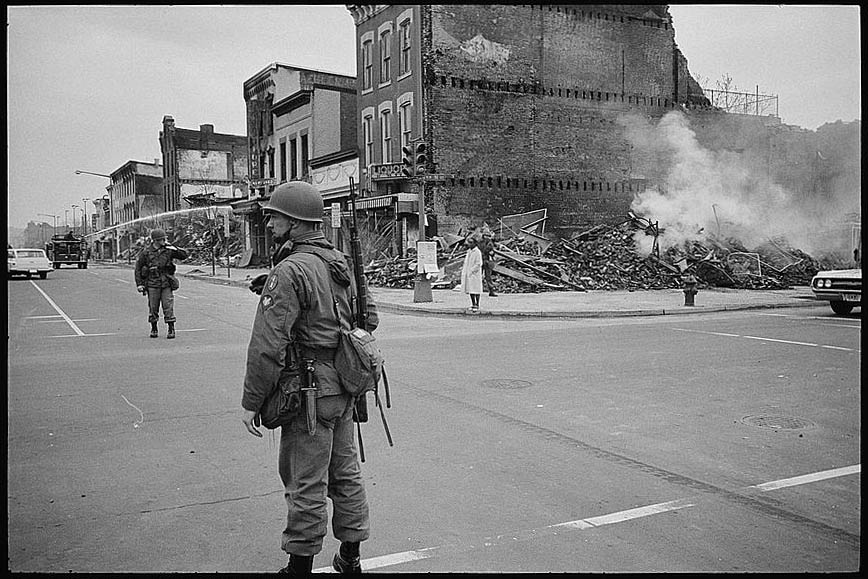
{"x":88,"y":86}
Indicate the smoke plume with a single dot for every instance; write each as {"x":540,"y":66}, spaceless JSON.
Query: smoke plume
{"x":706,"y":193}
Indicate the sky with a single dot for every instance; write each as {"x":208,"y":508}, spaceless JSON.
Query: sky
{"x":88,"y":86}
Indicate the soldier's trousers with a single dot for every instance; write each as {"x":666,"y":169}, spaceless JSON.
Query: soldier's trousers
{"x":313,"y":467}
{"x":161,"y":296}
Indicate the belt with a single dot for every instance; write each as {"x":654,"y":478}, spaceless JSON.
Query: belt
{"x":321,"y":354}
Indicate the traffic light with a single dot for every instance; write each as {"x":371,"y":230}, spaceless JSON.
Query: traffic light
{"x":420,"y":161}
{"x":409,"y":169}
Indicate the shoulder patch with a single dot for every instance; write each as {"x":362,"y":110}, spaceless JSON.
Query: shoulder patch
{"x":272,"y":283}
{"x":266,"y":301}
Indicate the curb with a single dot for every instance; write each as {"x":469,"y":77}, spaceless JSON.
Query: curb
{"x":410,"y":310}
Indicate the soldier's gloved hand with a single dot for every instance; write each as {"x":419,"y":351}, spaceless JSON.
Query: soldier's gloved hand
{"x":258,"y":283}
{"x":140,"y":289}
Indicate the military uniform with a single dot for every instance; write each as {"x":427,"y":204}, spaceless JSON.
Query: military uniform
{"x":154,"y":268}
{"x":296,"y":306}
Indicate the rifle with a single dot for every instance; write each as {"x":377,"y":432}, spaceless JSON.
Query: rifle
{"x":360,"y":411}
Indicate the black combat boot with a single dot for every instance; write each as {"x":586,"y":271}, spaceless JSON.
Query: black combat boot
{"x":299,"y":566}
{"x":153,"y":329}
{"x":171,"y":334}
{"x":347,"y":561}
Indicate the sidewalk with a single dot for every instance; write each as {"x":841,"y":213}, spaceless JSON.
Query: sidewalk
{"x":557,"y":304}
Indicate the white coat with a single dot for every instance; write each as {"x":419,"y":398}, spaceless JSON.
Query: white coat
{"x":471,"y":273}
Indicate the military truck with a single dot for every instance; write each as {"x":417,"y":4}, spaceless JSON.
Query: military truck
{"x":67,"y":249}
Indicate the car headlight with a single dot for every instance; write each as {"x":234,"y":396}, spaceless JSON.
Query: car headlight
{"x":828,"y":283}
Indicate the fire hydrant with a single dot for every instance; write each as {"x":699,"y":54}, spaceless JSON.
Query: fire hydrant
{"x":689,"y":289}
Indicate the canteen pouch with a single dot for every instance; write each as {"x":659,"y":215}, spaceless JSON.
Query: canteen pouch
{"x":358,"y":361}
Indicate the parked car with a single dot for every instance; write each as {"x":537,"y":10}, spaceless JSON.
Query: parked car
{"x":27,"y":261}
{"x":842,"y":288}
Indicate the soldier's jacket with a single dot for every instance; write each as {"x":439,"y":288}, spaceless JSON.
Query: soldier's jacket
{"x":154,"y":266}
{"x":296,"y":304}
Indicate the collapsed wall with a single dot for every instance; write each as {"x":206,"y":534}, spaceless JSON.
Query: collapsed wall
{"x":561,"y":107}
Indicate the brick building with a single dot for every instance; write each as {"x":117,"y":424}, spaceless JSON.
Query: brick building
{"x":518,"y":104}
{"x":300,"y":126}
{"x":201,"y":167}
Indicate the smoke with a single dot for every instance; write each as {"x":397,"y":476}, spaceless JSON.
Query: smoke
{"x":706,"y":193}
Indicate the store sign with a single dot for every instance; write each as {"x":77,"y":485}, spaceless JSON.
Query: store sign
{"x":387,"y":171}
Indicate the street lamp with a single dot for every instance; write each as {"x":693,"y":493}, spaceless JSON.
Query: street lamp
{"x":84,"y":201}
{"x":74,"y":207}
{"x":111,"y":209}
{"x":53,"y":231}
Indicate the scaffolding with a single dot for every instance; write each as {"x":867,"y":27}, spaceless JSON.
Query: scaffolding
{"x":745,"y":103}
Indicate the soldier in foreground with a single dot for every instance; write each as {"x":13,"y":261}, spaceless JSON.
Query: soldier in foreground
{"x":295,"y":323}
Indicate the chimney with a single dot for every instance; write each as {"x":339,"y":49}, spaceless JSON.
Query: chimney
{"x":209,"y":129}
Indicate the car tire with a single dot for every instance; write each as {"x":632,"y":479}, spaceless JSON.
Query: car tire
{"x":841,"y":308}
{"x":43,"y":274}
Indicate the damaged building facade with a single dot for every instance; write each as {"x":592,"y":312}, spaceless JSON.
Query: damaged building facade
{"x":523,"y":108}
{"x":518,"y":104}
{"x":201,"y":167}
{"x":300,"y":126}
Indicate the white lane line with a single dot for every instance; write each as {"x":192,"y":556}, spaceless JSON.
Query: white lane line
{"x":122,"y":280}
{"x":810,"y":344}
{"x":52,"y":317}
{"x":820,"y":318}
{"x":194,"y":330}
{"x":84,"y":335}
{"x":808,"y":478}
{"x":591,"y":522}
{"x":59,"y":311}
{"x":626,"y":515}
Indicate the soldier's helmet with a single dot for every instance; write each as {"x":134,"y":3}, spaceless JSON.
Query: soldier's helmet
{"x":296,"y":199}
{"x":157,"y":233}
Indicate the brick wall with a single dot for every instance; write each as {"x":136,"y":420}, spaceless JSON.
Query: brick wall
{"x":523,"y":105}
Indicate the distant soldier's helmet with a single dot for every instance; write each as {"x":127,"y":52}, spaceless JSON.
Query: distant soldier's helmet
{"x":298,"y":200}
{"x":158,"y":234}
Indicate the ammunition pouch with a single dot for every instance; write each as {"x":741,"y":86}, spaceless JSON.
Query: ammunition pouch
{"x":283,"y":404}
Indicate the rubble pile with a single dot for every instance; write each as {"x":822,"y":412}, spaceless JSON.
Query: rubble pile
{"x":197,"y":234}
{"x":606,"y":258}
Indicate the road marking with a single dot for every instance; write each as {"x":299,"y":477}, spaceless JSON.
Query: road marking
{"x":59,"y":311}
{"x":182,"y":297}
{"x":622,"y":516}
{"x":820,"y":318}
{"x":768,"y":340}
{"x":84,"y":335}
{"x":122,"y":280}
{"x":808,"y":478}
{"x":589,"y":523}
{"x":194,"y":330}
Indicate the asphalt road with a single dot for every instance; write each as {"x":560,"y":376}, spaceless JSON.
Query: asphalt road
{"x":721,"y":442}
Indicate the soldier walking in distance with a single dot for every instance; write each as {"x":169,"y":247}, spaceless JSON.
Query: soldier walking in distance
{"x":296,"y":315}
{"x":155,"y":277}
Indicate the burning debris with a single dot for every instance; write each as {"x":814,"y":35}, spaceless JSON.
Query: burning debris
{"x":607,"y":257}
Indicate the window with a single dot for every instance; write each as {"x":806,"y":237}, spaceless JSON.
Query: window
{"x":367,"y":127}
{"x":404,"y":47}
{"x":367,"y":65}
{"x":304,"y":156}
{"x":293,"y":156}
{"x":385,"y":130}
{"x":283,"y":161}
{"x":405,"y":121}
{"x":385,"y":56}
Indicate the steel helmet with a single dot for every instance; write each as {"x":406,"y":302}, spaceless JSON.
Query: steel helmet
{"x":298,"y":200}
{"x":158,"y":233}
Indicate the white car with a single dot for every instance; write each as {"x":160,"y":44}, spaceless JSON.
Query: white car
{"x":842,"y":288}
{"x":27,"y":261}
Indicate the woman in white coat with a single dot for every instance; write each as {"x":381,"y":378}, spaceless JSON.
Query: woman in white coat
{"x":471,"y":273}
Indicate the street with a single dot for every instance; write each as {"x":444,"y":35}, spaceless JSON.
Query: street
{"x":720,"y":442}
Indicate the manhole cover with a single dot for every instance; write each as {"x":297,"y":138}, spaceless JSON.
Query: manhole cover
{"x":504,"y":384}
{"x":778,"y":422}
